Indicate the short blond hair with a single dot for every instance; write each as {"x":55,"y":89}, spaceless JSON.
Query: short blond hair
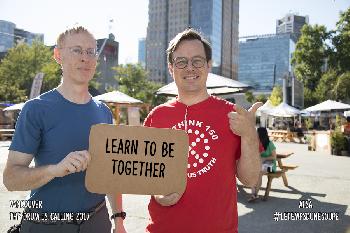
{"x":74,"y":30}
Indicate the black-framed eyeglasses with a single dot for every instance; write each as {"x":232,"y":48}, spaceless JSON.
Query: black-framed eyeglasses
{"x":78,"y":51}
{"x":196,"y":61}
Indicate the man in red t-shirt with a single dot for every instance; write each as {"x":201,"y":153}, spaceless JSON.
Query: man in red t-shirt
{"x":223,"y":144}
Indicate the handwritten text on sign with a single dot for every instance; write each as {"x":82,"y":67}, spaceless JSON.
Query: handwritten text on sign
{"x":137,"y":160}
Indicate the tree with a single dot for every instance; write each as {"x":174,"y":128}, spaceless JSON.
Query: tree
{"x":342,"y":87}
{"x":249,"y":96}
{"x":340,"y":56}
{"x":261,"y":98}
{"x":133,"y":81}
{"x":20,"y":66}
{"x":276,"y":95}
{"x":326,"y":86}
{"x":310,"y":54}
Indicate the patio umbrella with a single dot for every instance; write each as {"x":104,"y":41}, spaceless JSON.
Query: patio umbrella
{"x":265,"y":108}
{"x":216,"y":84}
{"x":327,"y":105}
{"x":117,"y":97}
{"x":14,"y":107}
{"x":284,"y":110}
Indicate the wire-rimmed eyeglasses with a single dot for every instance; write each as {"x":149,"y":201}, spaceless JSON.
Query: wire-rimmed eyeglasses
{"x":196,"y":61}
{"x":78,"y":51}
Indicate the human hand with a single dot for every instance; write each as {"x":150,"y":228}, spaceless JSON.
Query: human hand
{"x":167,"y":200}
{"x":242,"y":122}
{"x":76,"y":161}
{"x":119,"y":226}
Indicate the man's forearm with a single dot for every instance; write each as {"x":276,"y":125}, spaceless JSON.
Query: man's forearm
{"x":249,"y":165}
{"x":116,"y":203}
{"x":22,"y":178}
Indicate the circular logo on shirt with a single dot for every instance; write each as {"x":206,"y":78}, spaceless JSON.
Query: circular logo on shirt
{"x":200,"y":157}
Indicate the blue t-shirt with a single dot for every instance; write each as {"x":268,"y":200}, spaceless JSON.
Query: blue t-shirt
{"x":50,"y":127}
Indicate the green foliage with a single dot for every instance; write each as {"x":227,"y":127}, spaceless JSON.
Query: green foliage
{"x":308,"y":123}
{"x":338,"y":140}
{"x":316,"y":47}
{"x":342,"y":87}
{"x":326,"y":86}
{"x":276,"y":96}
{"x":249,"y":96}
{"x":261,"y":98}
{"x":340,"y":55}
{"x":309,"y":55}
{"x":20,"y":66}
{"x":133,"y":81}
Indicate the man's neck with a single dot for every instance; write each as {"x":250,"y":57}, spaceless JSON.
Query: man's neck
{"x":78,"y":94}
{"x":191,"y":99}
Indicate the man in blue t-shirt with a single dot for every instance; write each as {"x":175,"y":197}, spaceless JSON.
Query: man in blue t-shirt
{"x":54,"y":130}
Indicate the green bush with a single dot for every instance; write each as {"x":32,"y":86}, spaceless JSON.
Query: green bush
{"x":338,"y":141}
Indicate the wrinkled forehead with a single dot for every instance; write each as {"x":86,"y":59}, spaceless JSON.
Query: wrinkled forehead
{"x":82,"y":39}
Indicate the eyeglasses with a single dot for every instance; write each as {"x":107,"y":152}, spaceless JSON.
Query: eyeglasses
{"x":196,"y":61}
{"x":78,"y":51}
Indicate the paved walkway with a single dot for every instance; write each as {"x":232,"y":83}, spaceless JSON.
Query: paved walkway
{"x":322,"y":179}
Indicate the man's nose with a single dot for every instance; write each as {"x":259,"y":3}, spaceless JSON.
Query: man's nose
{"x":190,"y":66}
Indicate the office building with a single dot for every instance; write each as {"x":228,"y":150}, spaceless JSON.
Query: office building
{"x":108,"y":57}
{"x":10,"y":36}
{"x":265,"y":60}
{"x":216,"y":19}
{"x":291,"y":23}
{"x":142,"y":52}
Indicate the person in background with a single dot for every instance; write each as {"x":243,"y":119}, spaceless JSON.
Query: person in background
{"x":268,"y":160}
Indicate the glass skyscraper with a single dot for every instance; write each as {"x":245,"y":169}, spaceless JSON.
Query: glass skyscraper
{"x":10,"y":35}
{"x":265,"y":60}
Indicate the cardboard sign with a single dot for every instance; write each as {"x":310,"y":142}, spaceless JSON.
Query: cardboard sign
{"x":136,"y":160}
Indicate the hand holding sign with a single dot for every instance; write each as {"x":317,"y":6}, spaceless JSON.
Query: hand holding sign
{"x":137,"y":160}
{"x":76,"y":161}
{"x":242,"y":122}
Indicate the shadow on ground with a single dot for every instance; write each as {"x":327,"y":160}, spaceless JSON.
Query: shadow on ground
{"x":261,"y":218}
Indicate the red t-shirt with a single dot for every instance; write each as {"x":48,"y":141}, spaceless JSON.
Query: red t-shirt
{"x":209,"y":203}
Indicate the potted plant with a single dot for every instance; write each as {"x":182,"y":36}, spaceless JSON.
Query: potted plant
{"x":338,"y":142}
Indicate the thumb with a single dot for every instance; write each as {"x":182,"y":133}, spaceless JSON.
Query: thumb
{"x":240,"y":109}
{"x":255,"y":107}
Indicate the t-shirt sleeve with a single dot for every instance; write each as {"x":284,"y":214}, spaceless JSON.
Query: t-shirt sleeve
{"x":109,"y":114}
{"x":148,"y":121}
{"x":27,"y":135}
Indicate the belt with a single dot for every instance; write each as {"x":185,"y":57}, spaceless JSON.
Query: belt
{"x":61,"y":218}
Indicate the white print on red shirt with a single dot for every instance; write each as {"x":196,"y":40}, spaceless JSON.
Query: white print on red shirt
{"x":202,"y":137}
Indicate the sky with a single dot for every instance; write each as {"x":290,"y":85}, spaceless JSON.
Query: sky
{"x":128,"y":19}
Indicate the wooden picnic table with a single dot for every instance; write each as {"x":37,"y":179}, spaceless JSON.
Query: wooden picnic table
{"x":283,"y":135}
{"x":6,"y":133}
{"x":280,"y":172}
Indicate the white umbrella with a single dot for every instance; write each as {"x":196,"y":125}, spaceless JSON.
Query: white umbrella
{"x":14,"y":107}
{"x":265,"y":108}
{"x":327,"y":105}
{"x":284,"y":110}
{"x":216,"y":85}
{"x":117,"y":97}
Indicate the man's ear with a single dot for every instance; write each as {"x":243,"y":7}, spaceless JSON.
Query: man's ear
{"x":171,"y":69}
{"x":57,"y":55}
{"x":210,"y":65}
